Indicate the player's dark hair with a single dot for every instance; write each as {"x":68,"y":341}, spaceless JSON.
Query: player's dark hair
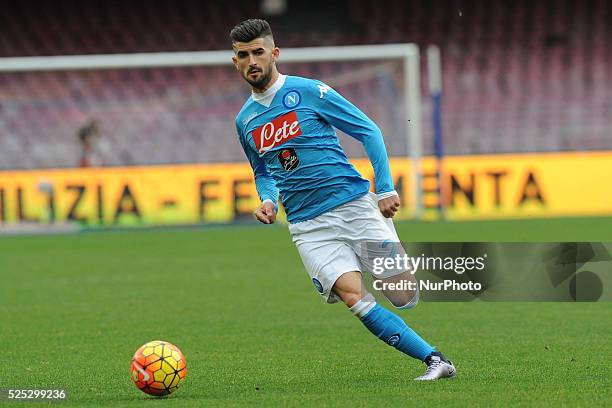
{"x":248,"y":30}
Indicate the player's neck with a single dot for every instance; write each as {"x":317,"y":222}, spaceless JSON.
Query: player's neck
{"x":274,"y":78}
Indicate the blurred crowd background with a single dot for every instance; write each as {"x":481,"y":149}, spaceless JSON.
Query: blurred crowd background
{"x":519,"y":76}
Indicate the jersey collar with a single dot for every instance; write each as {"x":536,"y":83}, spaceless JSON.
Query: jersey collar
{"x":265,"y":98}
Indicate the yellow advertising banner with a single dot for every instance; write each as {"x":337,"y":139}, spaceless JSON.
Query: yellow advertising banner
{"x":516,"y":185}
{"x":470,"y":187}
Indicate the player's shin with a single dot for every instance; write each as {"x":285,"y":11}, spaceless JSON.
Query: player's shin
{"x":390,"y":328}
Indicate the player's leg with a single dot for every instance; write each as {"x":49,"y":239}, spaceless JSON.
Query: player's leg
{"x":373,"y":236}
{"x":327,"y":261}
{"x":389,"y":327}
{"x":384,"y":324}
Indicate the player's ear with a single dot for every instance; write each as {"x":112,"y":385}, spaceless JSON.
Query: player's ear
{"x":235,"y":62}
{"x":275,"y":53}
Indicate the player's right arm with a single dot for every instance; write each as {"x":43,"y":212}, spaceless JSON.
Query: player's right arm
{"x":264,"y":183}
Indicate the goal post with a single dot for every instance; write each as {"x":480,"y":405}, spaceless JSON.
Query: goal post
{"x":406,"y":54}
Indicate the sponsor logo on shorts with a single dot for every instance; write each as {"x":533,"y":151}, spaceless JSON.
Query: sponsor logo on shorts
{"x":317,"y":285}
{"x":289,"y":159}
{"x":277,"y":132}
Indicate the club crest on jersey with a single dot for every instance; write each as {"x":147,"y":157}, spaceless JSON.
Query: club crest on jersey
{"x":277,"y":132}
{"x":289,"y":159}
{"x":292,"y":99}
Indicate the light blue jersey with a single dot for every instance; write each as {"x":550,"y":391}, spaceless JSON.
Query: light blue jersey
{"x":288,"y":136}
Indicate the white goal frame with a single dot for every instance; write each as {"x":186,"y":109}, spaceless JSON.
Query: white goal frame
{"x":407,"y":53}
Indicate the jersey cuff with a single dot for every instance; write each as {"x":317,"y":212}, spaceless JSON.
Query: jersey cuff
{"x":267,"y":200}
{"x":388,"y":194}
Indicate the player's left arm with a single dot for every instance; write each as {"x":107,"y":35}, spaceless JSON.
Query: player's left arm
{"x":343,"y":115}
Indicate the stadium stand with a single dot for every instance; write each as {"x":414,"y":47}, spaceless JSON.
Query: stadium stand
{"x":518,"y":76}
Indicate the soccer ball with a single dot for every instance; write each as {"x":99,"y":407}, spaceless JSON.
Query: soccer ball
{"x":158,"y":368}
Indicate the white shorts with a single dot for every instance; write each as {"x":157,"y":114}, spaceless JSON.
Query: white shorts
{"x":341,"y":240}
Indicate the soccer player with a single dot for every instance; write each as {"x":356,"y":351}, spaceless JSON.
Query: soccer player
{"x":286,"y":129}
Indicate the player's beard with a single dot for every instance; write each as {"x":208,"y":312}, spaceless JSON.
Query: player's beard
{"x":263,"y":81}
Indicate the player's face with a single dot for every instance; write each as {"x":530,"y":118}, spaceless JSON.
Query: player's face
{"x":256,"y":61}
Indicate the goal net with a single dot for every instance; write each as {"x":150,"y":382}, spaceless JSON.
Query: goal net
{"x":169,"y":108}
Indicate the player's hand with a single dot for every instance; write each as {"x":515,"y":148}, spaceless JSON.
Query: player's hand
{"x":389,"y":206}
{"x":266,"y":213}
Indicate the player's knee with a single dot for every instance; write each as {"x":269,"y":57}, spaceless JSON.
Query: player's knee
{"x":351,"y":298}
{"x":349,"y":287}
{"x":401,"y":290}
{"x":411,"y":300}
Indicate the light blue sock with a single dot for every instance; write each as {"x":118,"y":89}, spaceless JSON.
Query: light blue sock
{"x":391,"y":329}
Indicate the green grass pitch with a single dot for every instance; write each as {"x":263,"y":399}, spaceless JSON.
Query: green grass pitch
{"x":236,"y":300}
